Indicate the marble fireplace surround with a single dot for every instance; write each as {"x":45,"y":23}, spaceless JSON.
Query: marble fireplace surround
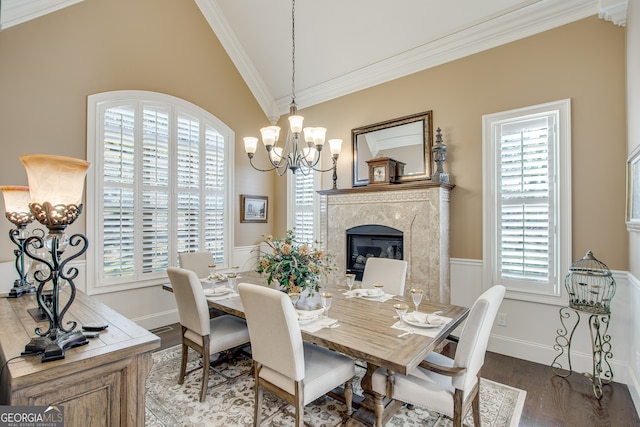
{"x":420,"y":210}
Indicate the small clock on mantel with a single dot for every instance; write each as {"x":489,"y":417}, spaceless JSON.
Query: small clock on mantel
{"x":384,"y":170}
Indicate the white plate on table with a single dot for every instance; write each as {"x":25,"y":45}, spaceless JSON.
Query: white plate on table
{"x":216,"y":292}
{"x":420,"y":321}
{"x":370,"y":293}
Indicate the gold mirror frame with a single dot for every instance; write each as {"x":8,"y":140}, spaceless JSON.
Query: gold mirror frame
{"x":413,"y":136}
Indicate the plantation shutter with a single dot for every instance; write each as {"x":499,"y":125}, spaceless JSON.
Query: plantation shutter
{"x":188,"y":185}
{"x":118,"y":192}
{"x":155,"y":189}
{"x":525,"y":225}
{"x":214,"y":194}
{"x":164,"y":189}
{"x":304,"y":209}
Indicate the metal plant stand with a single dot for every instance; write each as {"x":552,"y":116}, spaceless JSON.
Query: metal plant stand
{"x":601,"y":373}
{"x":591,"y":288}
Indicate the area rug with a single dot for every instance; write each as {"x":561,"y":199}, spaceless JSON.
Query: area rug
{"x":229,"y":400}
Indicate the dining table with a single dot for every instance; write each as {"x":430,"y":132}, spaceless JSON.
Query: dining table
{"x":361,"y":326}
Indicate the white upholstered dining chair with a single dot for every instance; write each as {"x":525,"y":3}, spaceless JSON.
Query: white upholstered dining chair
{"x":203,"y":335}
{"x":448,"y":386}
{"x":197,"y":262}
{"x":296,"y":371}
{"x":391,"y":273}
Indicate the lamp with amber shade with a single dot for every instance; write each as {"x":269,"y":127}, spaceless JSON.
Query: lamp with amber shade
{"x":56,"y":185}
{"x":16,"y":204}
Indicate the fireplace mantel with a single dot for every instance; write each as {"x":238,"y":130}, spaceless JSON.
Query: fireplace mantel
{"x":419,"y":209}
{"x":388,"y":187}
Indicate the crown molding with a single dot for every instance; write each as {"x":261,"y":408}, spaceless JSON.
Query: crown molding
{"x":516,"y":24}
{"x":220,"y":26}
{"x":536,"y":18}
{"x":616,"y":13}
{"x":16,"y":12}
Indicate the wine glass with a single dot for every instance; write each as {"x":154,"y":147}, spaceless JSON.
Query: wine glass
{"x":379,"y":287}
{"x":232,"y":281}
{"x":416,"y":296}
{"x":295,"y":296}
{"x":351,"y":278}
{"x":326,"y":297}
{"x":401,"y":309}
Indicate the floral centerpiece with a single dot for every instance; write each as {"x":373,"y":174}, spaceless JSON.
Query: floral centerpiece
{"x":295,"y":266}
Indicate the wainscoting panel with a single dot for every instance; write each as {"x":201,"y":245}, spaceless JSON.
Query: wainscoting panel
{"x":530,"y":329}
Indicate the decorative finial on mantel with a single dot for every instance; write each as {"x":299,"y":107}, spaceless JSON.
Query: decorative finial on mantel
{"x":439,"y":152}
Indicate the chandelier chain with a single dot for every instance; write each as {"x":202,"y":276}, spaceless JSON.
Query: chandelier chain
{"x":293,"y":50}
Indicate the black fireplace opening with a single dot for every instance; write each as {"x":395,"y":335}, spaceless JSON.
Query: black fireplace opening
{"x":372,"y":240}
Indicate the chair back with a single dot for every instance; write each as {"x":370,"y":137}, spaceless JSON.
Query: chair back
{"x":192,"y":304}
{"x":197,"y":262}
{"x":475,"y":336}
{"x":276,"y":340}
{"x":388,"y":272}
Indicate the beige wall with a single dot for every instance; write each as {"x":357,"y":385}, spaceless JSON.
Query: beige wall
{"x":633,"y":113}
{"x":50,"y":65}
{"x":584,"y":61}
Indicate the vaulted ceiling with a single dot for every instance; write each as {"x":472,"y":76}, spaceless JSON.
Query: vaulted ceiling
{"x":343,"y":46}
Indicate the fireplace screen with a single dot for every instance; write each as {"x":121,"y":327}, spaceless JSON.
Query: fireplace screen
{"x":372,"y":240}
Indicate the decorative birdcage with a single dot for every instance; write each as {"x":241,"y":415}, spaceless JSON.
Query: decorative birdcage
{"x":590,"y":285}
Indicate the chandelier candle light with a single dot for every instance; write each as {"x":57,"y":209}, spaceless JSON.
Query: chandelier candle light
{"x":294,"y":155}
{"x":56,"y":185}
{"x":16,"y":204}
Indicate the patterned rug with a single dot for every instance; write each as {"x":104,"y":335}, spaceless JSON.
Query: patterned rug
{"x":229,"y":400}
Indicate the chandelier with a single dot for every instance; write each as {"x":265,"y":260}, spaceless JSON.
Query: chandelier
{"x":293,"y":154}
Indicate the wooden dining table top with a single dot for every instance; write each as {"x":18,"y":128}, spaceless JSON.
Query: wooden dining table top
{"x":365,"y":326}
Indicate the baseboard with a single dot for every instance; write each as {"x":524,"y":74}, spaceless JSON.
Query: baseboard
{"x":157,"y":320}
{"x":545,"y":354}
{"x":634,"y":390}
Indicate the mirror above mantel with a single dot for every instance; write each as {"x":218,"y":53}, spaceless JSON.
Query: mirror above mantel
{"x":406,"y":139}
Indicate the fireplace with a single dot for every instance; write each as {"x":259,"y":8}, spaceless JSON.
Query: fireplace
{"x":371,"y":240}
{"x":420,"y":211}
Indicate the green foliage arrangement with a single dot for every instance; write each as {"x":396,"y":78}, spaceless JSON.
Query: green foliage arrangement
{"x":295,"y":266}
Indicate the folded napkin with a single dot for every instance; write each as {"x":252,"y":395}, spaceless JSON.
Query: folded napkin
{"x":360,"y":292}
{"x":319,"y":323}
{"x":427,"y":332}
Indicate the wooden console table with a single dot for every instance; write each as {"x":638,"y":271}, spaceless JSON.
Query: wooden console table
{"x":98,"y":384}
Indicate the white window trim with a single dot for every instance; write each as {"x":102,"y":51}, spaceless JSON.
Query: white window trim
{"x":94,"y":185}
{"x":562,"y":200}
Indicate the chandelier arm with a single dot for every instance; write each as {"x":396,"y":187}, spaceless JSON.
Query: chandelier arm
{"x":262,"y":170}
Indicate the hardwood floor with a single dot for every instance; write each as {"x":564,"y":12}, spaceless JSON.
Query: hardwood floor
{"x":551,"y":401}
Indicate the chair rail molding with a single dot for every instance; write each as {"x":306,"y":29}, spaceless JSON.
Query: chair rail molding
{"x":519,"y":339}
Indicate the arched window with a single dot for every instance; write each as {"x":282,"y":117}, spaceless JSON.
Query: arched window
{"x":160,"y":185}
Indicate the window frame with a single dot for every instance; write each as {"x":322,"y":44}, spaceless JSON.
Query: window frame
{"x":560,"y":206}
{"x":96,"y":104}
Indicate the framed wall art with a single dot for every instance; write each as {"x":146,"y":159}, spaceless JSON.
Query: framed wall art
{"x":633,"y":191}
{"x":253,"y":208}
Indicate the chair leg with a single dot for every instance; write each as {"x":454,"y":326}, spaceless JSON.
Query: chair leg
{"x":205,"y":369}
{"x":257,"y":401}
{"x":348,"y":396}
{"x":475,"y":407}
{"x":457,"y":408}
{"x":183,"y":365}
{"x":299,"y":405}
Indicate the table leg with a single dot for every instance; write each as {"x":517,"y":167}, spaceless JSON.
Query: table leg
{"x":366,"y":414}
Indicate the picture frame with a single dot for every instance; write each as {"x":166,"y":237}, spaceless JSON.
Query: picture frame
{"x":253,"y":208}
{"x":633,"y":191}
